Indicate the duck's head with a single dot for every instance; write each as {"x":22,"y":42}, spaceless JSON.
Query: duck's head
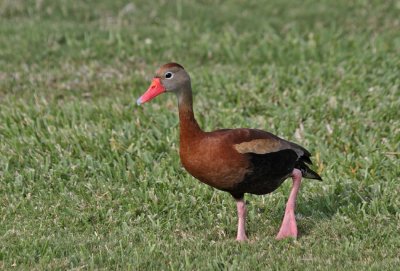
{"x":170,"y":77}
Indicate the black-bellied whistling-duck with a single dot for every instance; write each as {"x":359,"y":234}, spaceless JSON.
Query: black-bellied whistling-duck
{"x":238,"y":161}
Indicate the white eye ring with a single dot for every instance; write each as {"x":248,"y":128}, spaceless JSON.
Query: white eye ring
{"x":169,"y":75}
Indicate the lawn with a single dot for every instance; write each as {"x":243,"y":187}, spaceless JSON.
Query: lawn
{"x":89,"y":180}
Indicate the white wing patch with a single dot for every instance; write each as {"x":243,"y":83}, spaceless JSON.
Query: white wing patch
{"x":259,"y":146}
{"x":263,"y":146}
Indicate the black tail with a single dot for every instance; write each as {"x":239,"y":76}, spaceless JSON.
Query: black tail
{"x":306,"y":171}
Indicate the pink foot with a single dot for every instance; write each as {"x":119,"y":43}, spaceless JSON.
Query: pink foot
{"x":241,"y":209}
{"x":288,"y":227}
{"x":242,"y":238}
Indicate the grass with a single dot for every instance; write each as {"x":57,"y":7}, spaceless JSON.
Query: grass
{"x":88,"y":180}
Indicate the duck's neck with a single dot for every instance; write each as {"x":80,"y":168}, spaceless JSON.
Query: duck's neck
{"x":189,"y":128}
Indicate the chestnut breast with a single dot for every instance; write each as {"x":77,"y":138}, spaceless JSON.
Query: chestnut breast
{"x":212,"y":159}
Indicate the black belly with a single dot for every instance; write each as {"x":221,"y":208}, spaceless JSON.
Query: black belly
{"x":267,"y":173}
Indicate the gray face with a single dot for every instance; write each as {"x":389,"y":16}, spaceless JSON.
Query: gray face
{"x":174,"y":79}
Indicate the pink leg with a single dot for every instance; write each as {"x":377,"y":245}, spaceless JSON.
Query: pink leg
{"x":289,"y":227}
{"x":241,"y":210}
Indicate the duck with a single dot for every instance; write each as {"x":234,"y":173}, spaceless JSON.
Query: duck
{"x":237,"y":161}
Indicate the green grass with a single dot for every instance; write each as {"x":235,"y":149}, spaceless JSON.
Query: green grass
{"x":88,"y":180}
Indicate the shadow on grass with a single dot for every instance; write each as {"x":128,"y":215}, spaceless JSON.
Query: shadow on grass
{"x":310,"y":212}
{"x":318,"y":209}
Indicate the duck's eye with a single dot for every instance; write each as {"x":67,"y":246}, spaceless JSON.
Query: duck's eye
{"x":168,"y":75}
